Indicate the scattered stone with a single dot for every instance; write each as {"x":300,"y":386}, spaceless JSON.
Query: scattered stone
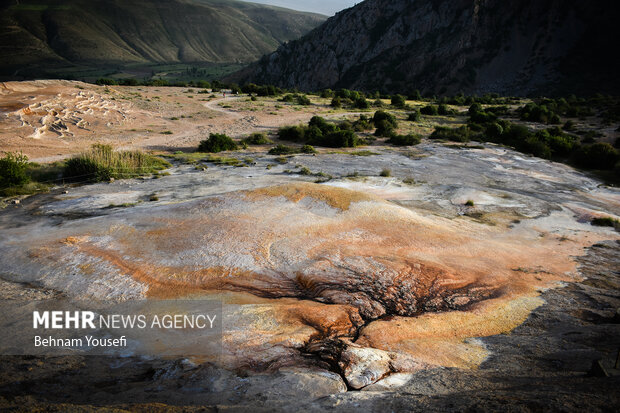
{"x":363,"y":366}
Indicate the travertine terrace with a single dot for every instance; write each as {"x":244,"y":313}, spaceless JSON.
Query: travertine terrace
{"x":359,"y":282}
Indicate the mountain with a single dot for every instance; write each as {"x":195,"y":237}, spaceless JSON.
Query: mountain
{"x":44,"y":33}
{"x":516,"y":47}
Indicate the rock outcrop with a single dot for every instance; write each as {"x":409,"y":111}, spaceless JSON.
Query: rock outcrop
{"x":444,"y":46}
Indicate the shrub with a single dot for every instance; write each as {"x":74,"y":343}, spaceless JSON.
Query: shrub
{"x":257,"y":138}
{"x":460,"y":134}
{"x":291,"y":133}
{"x":336,"y":102}
{"x":102,"y":163}
{"x":362,"y":124}
{"x":404,"y":140}
{"x":13,"y":170}
{"x":322,"y":125}
{"x":382,"y":115}
{"x":385,"y":172}
{"x":469,"y":203}
{"x":444,"y":110}
{"x":569,"y":125}
{"x":535,"y":146}
{"x":475,"y":108}
{"x":303,"y":100}
{"x":308,"y":149}
{"x":105,"y":81}
{"x":430,"y":110}
{"x":605,"y":222}
{"x":361,"y":103}
{"x":217,"y":142}
{"x":398,"y":101}
{"x":414,"y":116}
{"x":384,"y":128}
{"x":494,"y":130}
{"x":338,"y":139}
{"x":282,"y":150}
{"x":597,"y":156}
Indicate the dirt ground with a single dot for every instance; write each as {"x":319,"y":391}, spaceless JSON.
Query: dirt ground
{"x":49,"y":120}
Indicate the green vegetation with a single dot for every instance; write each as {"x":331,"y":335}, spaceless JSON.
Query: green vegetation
{"x":430,"y":110}
{"x":469,"y":203}
{"x":297,"y":98}
{"x":257,"y":138}
{"x":405,"y":140}
{"x":13,"y":170}
{"x":223,"y":160}
{"x":385,"y":123}
{"x":414,"y":116}
{"x":217,"y":142}
{"x":346,"y":98}
{"x":606,"y":222}
{"x":398,"y":101}
{"x":282,"y":150}
{"x":102,"y":163}
{"x":451,"y":134}
{"x":385,"y":172}
{"x":319,"y":132}
{"x":269,"y":90}
{"x":552,"y":143}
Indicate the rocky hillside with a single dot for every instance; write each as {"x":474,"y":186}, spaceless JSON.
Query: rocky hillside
{"x":447,"y":46}
{"x":39,"y":33}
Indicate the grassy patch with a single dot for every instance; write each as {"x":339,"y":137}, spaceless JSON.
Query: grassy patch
{"x":102,"y":163}
{"x":605,"y":222}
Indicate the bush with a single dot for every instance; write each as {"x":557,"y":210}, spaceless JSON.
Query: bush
{"x":430,"y":110}
{"x":339,"y":139}
{"x":257,"y":138}
{"x":362,"y":124}
{"x":605,"y":222}
{"x":385,"y":172}
{"x":105,"y":81}
{"x":13,"y":170}
{"x":444,"y":110}
{"x":303,"y":100}
{"x":414,"y":116}
{"x":361,"y":103}
{"x":398,"y":101}
{"x":102,"y":163}
{"x":534,"y":146}
{"x":336,"y":102}
{"x":323,"y":133}
{"x":381,"y":115}
{"x":597,"y":156}
{"x":217,"y":142}
{"x":282,"y":150}
{"x":460,"y":134}
{"x":405,"y":140}
{"x":291,"y":133}
{"x":308,"y":149}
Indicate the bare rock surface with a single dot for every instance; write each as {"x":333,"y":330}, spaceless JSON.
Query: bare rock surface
{"x":358,"y":283}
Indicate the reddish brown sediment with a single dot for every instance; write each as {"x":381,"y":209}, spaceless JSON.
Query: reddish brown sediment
{"x":335,"y":264}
